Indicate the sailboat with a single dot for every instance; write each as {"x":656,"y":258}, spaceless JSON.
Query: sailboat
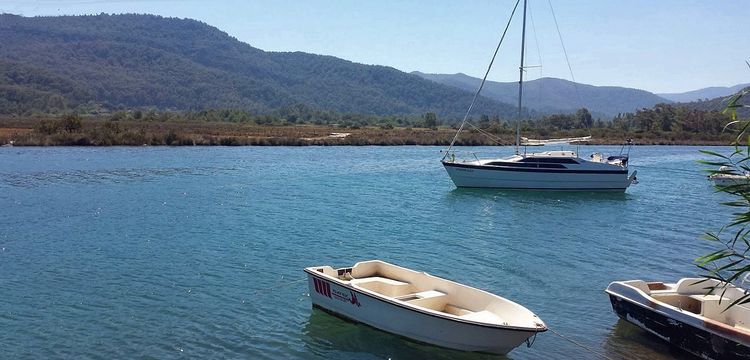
{"x":547,"y":170}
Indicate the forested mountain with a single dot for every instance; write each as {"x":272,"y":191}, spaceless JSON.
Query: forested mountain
{"x":53,"y":64}
{"x":551,"y":95}
{"x":705,"y":93}
{"x":720,"y":103}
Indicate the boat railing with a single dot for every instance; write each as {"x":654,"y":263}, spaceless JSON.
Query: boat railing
{"x":466,"y":154}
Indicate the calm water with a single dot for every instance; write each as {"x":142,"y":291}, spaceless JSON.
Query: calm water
{"x":197,"y":252}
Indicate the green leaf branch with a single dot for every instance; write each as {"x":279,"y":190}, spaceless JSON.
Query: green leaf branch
{"x":731,"y":262}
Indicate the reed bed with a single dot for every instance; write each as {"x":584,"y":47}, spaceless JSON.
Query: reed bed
{"x":48,"y":131}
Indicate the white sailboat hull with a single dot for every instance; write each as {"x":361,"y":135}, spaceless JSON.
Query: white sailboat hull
{"x":724,"y":180}
{"x":503,"y":178}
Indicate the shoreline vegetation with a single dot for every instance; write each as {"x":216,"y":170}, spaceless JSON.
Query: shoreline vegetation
{"x":663,"y":125}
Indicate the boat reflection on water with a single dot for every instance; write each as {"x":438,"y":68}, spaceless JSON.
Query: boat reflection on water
{"x":627,"y":341}
{"x":537,"y":195}
{"x":330,"y":336}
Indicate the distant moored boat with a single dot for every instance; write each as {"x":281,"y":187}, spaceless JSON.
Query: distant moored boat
{"x":726,"y":178}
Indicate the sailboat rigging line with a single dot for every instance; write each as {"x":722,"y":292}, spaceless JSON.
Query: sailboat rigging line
{"x":494,"y":138}
{"x":481,"y":85}
{"x":538,"y":52}
{"x":565,"y":52}
{"x":520,"y":79}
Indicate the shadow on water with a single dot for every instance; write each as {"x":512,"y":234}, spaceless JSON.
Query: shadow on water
{"x":325,"y":334}
{"x":629,"y":341}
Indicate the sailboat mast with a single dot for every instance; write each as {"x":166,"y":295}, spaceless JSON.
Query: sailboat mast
{"x":520,"y":80}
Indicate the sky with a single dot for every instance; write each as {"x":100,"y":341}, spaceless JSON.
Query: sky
{"x":659,"y":46}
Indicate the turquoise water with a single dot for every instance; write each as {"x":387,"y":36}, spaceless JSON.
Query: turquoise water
{"x":197,"y":252}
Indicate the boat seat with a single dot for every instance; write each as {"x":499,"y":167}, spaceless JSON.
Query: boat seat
{"x":378,"y":279}
{"x":740,"y":316}
{"x":384,"y":286}
{"x":693,"y":286}
{"x":485,"y":317}
{"x":706,"y":298}
{"x":657,"y":286}
{"x":713,"y":306}
{"x":682,"y":302}
{"x":420,"y":295}
{"x":429,"y":294}
{"x":430,"y":299}
{"x":456,"y":310}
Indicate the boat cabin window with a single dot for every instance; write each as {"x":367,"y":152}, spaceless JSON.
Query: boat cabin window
{"x":527,"y":164}
{"x":551,"y":160}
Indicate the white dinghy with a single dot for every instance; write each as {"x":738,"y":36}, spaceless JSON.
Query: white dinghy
{"x":686,"y":315}
{"x":422,"y":307}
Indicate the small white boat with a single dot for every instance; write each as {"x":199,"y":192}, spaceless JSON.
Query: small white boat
{"x":422,"y":307}
{"x":729,"y":179}
{"x":686,"y":315}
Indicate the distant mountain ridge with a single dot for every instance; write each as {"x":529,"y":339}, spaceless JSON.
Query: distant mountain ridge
{"x":720,"y":103}
{"x":146,"y":61}
{"x":705,"y":93}
{"x":552,"y":95}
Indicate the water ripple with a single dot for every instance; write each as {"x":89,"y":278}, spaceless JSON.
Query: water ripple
{"x":194,"y":252}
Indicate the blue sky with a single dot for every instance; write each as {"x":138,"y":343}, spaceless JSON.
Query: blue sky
{"x":660,"y":46}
